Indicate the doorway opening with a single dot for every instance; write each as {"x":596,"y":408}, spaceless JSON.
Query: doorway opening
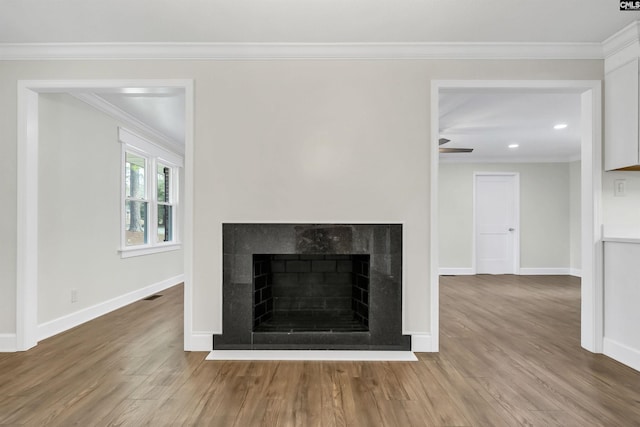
{"x":589,"y":171}
{"x":28,"y":330}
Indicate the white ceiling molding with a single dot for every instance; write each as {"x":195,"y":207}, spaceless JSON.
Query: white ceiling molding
{"x":532,"y":159}
{"x":622,"y":39}
{"x":111,"y":110}
{"x":622,"y":47}
{"x":275,"y":51}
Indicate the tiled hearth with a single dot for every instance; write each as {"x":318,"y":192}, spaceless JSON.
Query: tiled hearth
{"x":312,"y":286}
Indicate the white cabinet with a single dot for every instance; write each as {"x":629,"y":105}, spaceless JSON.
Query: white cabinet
{"x":622,"y":302}
{"x":621,"y":118}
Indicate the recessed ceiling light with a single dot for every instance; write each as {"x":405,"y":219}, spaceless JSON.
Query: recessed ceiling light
{"x":560,"y":126}
{"x":513,"y":145}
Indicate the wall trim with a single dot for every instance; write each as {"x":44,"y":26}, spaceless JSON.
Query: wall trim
{"x":275,"y":51}
{"x":201,"y":341}
{"x":622,"y":39}
{"x":461,"y":271}
{"x":622,"y":47}
{"x":499,"y":160}
{"x":564,"y":271}
{"x":111,"y":110}
{"x":622,"y":353}
{"x":64,"y":323}
{"x":465,"y":271}
{"x":8,"y":343}
{"x":422,"y":343}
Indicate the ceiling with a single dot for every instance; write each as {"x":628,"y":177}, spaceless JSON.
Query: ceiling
{"x":490,"y":122}
{"x":162,"y":110}
{"x":157,"y":112}
{"x":311,"y":21}
{"x":487,"y":121}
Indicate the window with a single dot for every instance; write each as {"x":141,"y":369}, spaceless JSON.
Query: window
{"x":165,"y":204}
{"x":136,"y":202}
{"x":150,"y":200}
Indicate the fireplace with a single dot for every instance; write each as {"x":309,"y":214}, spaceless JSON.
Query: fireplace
{"x":312,"y":286}
{"x":310,"y":293}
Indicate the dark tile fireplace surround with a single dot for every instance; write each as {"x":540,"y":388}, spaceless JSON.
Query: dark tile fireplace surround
{"x":312,"y":286}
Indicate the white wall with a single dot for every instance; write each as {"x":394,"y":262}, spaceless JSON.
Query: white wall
{"x":79,"y":213}
{"x":575,"y":213}
{"x":545,"y":221}
{"x":621,"y":217}
{"x":621,"y":211}
{"x":336,"y":140}
{"x":8,"y":213}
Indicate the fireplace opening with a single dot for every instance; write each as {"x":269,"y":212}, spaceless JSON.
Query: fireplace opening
{"x":310,"y":293}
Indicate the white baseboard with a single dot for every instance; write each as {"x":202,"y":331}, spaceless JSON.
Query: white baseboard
{"x":201,"y":341}
{"x":622,"y":353}
{"x":422,"y":343}
{"x":561,"y":271}
{"x":577,"y":272}
{"x":64,"y":323}
{"x":446,"y":271}
{"x":8,"y":343}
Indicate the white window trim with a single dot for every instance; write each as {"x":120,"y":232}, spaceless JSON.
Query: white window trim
{"x":155,"y":154}
{"x":130,"y":252}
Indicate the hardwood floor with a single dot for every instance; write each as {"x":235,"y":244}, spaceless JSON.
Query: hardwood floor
{"x":510,"y":356}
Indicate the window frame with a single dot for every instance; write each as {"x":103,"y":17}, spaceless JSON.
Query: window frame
{"x":154,"y":155}
{"x":127,"y":198}
{"x":171,"y":203}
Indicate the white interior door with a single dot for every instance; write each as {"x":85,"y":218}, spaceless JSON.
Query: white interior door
{"x":496,"y":223}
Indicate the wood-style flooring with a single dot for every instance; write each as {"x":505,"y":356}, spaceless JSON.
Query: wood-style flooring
{"x":510,"y":356}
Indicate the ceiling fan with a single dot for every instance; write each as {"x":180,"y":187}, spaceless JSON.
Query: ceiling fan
{"x":443,"y":141}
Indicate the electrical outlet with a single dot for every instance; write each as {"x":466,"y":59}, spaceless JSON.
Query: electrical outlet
{"x":74,"y":296}
{"x":619,"y":187}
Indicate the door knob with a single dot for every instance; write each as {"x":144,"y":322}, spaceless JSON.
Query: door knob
{"x":511,"y":229}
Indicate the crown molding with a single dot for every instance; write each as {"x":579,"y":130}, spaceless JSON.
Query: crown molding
{"x":286,"y":51}
{"x":111,"y":110}
{"x":463,"y":159}
{"x":622,"y":39}
{"x":622,"y":47}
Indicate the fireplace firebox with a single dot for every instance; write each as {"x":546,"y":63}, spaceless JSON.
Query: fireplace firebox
{"x":310,"y":293}
{"x":312,"y":286}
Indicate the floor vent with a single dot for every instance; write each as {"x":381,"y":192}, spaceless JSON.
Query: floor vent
{"x":152,"y":297}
